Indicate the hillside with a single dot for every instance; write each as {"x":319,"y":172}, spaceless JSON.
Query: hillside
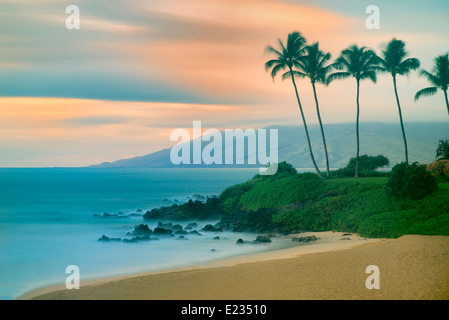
{"x":291,"y":202}
{"x":376,"y":138}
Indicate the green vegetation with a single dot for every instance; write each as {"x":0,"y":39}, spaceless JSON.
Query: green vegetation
{"x":411,"y":181}
{"x":367,"y":167}
{"x":290,"y":201}
{"x":300,"y":60}
{"x":393,"y":61}
{"x":439,"y":169}
{"x":443,"y":150}
{"x":287,"y":57}
{"x":361,"y":64}
{"x":314,"y":65}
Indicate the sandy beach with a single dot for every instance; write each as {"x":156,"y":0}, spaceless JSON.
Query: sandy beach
{"x":411,"y":267}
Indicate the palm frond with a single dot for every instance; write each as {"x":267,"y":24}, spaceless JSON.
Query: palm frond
{"x":342,"y":63}
{"x":271,"y":50}
{"x":269,"y":64}
{"x":323,"y":59}
{"x":394,"y":53}
{"x":379,"y":68}
{"x":433,"y":79}
{"x":430,"y":91}
{"x":287,"y":55}
{"x":441,"y":69}
{"x":371,"y":74}
{"x":295,"y":73}
{"x":281,"y":45}
{"x":337,"y":76}
{"x":368,"y":60}
{"x":276,"y":69}
{"x":408,"y":65}
{"x":382,"y":65}
{"x":302,"y":64}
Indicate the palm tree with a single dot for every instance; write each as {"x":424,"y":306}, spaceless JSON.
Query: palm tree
{"x":393,"y":61}
{"x":360,"y":63}
{"x":443,"y":150}
{"x":286,"y":58}
{"x":439,"y":78}
{"x":313,"y":65}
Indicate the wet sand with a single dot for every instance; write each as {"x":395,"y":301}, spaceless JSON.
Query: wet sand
{"x":411,"y":267}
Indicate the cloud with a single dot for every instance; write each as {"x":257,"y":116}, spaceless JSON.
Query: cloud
{"x":42,"y":128}
{"x":137,"y":69}
{"x":172,"y":51}
{"x":219,"y":47}
{"x":202,"y":51}
{"x":99,"y":120}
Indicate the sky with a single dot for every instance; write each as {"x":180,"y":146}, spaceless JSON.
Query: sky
{"x":136,"y":70}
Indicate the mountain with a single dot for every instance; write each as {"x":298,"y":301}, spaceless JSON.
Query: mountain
{"x":375,"y":138}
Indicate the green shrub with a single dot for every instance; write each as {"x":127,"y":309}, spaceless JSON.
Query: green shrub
{"x":379,"y":226}
{"x":230,"y":197}
{"x":369,"y":163}
{"x":272,"y":192}
{"x":308,"y":176}
{"x":285,"y":167}
{"x":367,"y":167}
{"x":411,"y":181}
{"x":349,"y":173}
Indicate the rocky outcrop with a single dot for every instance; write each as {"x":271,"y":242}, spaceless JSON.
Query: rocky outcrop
{"x":176,"y":227}
{"x":105,"y":215}
{"x":191,"y":225}
{"x":262,"y":239}
{"x":107,"y":239}
{"x":305,"y":239}
{"x":193,"y":209}
{"x":250,"y":221}
{"x":259,"y":239}
{"x":167,"y":225}
{"x":211,"y":228}
{"x":163,"y":231}
{"x":140,"y":230}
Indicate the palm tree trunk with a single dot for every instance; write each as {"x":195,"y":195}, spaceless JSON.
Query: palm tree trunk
{"x":357,"y":132}
{"x":447,"y":103}
{"x":400,"y":117}
{"x":321,"y":127}
{"x":305,"y":127}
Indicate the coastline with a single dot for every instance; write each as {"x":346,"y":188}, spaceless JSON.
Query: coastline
{"x":411,"y":267}
{"x":329,"y":241}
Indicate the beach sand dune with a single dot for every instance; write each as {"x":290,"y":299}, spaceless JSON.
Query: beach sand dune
{"x":411,"y":267}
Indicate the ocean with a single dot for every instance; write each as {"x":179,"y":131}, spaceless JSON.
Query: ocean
{"x":47,"y":223}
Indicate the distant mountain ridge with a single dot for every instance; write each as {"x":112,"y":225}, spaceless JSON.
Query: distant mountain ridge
{"x":375,"y":138}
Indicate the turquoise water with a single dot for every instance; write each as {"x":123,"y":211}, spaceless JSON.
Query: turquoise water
{"x":47,"y":222}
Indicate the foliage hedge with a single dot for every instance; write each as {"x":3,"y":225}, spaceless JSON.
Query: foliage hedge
{"x":411,"y":181}
{"x":366,"y":206}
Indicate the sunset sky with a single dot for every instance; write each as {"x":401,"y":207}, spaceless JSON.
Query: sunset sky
{"x":137,"y":69}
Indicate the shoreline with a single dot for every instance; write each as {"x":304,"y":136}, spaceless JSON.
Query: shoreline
{"x":412,"y":267}
{"x":329,"y":241}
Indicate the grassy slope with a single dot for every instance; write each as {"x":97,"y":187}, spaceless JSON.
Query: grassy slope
{"x":349,"y":205}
